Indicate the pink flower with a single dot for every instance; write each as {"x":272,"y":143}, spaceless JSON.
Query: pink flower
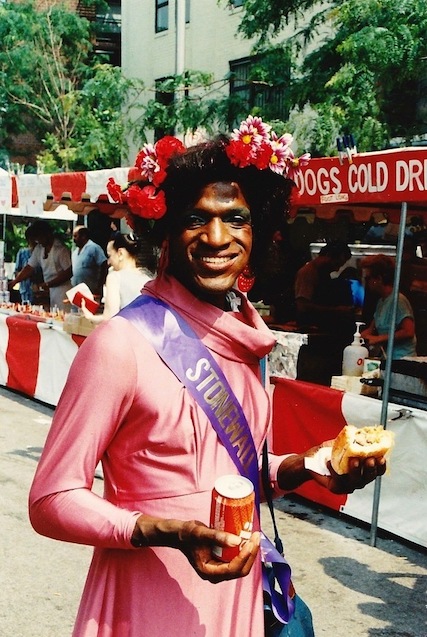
{"x":152,"y":160}
{"x":279,"y":156}
{"x":252,"y":131}
{"x":295,"y":163}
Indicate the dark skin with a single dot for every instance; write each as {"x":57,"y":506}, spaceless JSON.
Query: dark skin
{"x":207,"y":253}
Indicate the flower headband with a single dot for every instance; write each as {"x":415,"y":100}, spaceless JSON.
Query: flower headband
{"x":252,"y":144}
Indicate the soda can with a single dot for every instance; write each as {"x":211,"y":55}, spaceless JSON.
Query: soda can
{"x":232,"y":510}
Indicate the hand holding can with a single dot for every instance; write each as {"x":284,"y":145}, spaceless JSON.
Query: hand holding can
{"x":232,"y":510}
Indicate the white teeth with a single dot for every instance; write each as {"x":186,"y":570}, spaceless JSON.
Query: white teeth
{"x":215,"y":259}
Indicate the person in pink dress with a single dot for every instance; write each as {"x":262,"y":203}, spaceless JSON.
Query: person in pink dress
{"x":153,"y":572}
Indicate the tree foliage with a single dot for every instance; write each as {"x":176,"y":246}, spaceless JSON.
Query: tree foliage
{"x":54,"y":87}
{"x":184,"y":103}
{"x":365,"y":78}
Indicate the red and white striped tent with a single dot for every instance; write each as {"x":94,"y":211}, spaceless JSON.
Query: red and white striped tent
{"x":80,"y":192}
{"x":365,"y":183}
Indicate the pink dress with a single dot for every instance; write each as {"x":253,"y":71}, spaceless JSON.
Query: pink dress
{"x":160,"y":457}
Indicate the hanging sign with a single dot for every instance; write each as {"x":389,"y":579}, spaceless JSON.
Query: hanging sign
{"x":390,"y":176}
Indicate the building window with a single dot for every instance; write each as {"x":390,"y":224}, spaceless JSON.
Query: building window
{"x":187,"y":11}
{"x":167,"y":99}
{"x":236,"y":3}
{"x":162,"y":15}
{"x":269,"y":98}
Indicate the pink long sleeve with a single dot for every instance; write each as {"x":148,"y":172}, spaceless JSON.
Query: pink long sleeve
{"x":62,"y":505}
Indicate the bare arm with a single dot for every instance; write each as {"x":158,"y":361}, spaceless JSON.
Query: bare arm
{"x":404,"y":331}
{"x":195,"y":540}
{"x":293,"y":473}
{"x":25,"y":273}
{"x":59,"y":279}
{"x":112,"y":300}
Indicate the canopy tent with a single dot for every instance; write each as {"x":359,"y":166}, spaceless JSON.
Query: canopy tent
{"x":62,"y":212}
{"x":364,"y":183}
{"x":80,"y":192}
{"x":390,"y":180}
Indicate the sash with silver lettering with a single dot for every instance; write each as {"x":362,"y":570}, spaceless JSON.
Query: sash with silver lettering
{"x":188,"y":358}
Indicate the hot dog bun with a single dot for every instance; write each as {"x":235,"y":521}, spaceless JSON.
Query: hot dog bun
{"x":367,"y":442}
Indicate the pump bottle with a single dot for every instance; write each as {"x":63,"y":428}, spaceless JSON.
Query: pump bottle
{"x":354,"y":355}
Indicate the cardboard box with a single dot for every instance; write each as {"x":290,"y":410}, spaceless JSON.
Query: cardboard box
{"x":80,"y":325}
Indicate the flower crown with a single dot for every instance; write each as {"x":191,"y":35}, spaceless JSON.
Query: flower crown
{"x":252,"y":144}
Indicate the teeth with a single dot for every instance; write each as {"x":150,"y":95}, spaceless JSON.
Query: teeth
{"x":215,"y":259}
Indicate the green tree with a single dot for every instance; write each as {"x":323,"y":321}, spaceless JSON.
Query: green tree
{"x":365,"y":78}
{"x":54,"y":87}
{"x":185,"y":103}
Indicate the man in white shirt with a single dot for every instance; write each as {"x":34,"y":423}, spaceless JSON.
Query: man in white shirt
{"x":54,"y":260}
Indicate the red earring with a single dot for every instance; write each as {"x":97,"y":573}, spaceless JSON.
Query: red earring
{"x":245,"y":280}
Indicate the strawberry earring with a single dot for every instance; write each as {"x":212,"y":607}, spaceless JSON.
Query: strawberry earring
{"x":245,"y":280}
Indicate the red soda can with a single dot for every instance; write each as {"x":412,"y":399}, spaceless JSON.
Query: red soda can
{"x":232,"y":510}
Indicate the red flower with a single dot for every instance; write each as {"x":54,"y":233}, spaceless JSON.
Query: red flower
{"x":239,"y":154}
{"x":115,"y":191}
{"x":146,"y":202}
{"x":263,"y":156}
{"x":166,"y":148}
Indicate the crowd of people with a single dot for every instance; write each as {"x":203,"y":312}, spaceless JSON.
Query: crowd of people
{"x":115,"y":277}
{"x":326,"y":295}
{"x":311,"y":295}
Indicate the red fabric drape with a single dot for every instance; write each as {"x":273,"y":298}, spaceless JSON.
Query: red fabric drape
{"x":304,"y":415}
{"x":22,"y":355}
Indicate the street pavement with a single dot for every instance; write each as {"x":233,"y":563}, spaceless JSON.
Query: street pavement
{"x":352,"y":588}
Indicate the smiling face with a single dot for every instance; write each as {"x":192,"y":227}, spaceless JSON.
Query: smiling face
{"x":212,"y":243}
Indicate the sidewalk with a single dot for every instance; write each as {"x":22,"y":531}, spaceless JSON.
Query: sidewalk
{"x":353,"y":589}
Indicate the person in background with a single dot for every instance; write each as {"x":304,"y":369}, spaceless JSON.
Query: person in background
{"x":324,"y":306}
{"x":88,"y":261}
{"x":124,"y":280}
{"x":321,"y":300}
{"x":22,"y":257}
{"x":378,"y":271}
{"x":154,"y":572}
{"x":54,"y":260}
{"x":275,"y":282}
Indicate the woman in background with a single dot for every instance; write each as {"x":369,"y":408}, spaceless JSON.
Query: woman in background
{"x":378,"y":273}
{"x":125,"y":278}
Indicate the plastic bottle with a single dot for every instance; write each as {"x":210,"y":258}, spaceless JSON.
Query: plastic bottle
{"x":354,"y":355}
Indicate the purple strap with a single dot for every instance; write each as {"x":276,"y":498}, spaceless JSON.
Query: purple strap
{"x":189,"y":359}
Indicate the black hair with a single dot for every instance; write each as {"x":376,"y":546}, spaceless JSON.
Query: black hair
{"x":266,"y":192}
{"x":335,"y":250}
{"x":40,"y":227}
{"x":138,"y":247}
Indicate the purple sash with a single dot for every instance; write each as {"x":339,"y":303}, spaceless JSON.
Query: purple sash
{"x":189,"y":359}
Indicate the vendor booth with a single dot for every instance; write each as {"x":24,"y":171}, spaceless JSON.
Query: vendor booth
{"x":35,"y":356}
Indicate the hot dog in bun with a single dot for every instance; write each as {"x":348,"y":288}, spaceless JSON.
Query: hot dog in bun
{"x":367,"y":442}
